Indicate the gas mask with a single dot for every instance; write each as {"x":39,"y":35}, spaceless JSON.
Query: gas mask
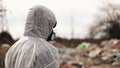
{"x":52,"y":36}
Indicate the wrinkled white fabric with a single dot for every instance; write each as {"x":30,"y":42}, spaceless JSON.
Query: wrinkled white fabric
{"x":33,"y":51}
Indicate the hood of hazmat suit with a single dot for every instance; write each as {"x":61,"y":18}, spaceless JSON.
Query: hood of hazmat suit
{"x":33,"y":50}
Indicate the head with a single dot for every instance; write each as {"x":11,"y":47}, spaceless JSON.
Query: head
{"x":40,"y":22}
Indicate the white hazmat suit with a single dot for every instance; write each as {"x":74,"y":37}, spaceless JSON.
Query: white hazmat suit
{"x":33,"y":51}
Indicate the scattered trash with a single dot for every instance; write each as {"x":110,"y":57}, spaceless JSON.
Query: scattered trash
{"x":81,"y":46}
{"x":104,"y":55}
{"x":93,"y":53}
{"x":117,"y":59}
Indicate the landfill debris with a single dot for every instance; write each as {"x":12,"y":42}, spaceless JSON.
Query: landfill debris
{"x":81,"y":46}
{"x":103,"y":55}
{"x":117,"y":57}
{"x":94,"y":52}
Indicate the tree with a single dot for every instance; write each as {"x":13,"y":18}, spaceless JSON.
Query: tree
{"x":107,"y":23}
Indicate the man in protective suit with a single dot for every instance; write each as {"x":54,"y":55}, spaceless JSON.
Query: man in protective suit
{"x":33,"y":50}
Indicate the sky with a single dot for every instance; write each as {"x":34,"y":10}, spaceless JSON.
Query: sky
{"x":79,"y":12}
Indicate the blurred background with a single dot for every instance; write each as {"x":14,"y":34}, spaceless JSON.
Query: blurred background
{"x":88,"y":31}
